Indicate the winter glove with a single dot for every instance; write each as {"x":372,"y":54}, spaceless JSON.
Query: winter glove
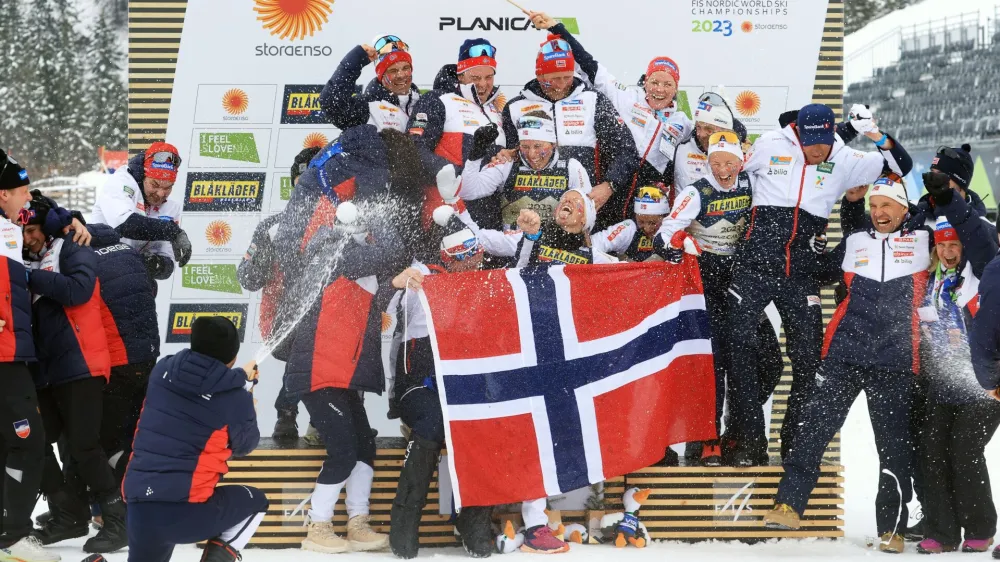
{"x":861,"y":119}
{"x":668,"y":253}
{"x":157,"y":266}
{"x":818,"y":243}
{"x":182,"y":248}
{"x":449,"y":184}
{"x":484,"y":139}
{"x":939,"y":186}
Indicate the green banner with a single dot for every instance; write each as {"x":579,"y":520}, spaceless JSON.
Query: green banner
{"x":229,"y":146}
{"x":216,"y":277}
{"x":285,"y":187}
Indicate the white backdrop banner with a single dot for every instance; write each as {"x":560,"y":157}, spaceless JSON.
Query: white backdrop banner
{"x":249,"y":73}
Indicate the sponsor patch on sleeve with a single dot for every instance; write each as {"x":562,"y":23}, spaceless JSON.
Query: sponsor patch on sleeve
{"x":128,"y":190}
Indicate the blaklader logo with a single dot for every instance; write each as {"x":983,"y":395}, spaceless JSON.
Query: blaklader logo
{"x":458,"y":23}
{"x":182,"y":316}
{"x":293,"y":20}
{"x":224,"y":191}
{"x":301,"y":105}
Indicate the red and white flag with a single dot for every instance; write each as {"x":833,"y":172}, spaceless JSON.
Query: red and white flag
{"x":554,"y":378}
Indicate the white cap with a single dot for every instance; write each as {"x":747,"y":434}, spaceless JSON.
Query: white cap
{"x":887,"y":187}
{"x":651,"y":201}
{"x":718,"y":115}
{"x":536,"y":128}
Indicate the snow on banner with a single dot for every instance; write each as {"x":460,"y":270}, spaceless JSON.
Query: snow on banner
{"x":579,"y":374}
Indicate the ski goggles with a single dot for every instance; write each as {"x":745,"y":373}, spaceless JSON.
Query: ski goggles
{"x":554,"y":46}
{"x":949,"y":152}
{"x":482,"y":51}
{"x":166,"y":158}
{"x":463,"y":251}
{"x":712,"y":98}
{"x":389,"y":43}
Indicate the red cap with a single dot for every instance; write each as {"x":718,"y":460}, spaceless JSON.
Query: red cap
{"x":944,"y":233}
{"x":161,"y":170}
{"x":556,"y":61}
{"x":467,"y":64}
{"x":392,"y":58}
{"x":664,"y":64}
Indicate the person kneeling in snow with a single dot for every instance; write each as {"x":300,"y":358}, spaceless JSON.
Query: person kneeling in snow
{"x":199,"y":412}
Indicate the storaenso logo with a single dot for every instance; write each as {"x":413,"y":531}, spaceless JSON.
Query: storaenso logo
{"x":301,"y":105}
{"x":183,"y":315}
{"x":217,"y":277}
{"x":229,"y":146}
{"x":224,"y":191}
{"x":292,"y":20}
{"x":265,"y":50}
{"x":498,"y":24}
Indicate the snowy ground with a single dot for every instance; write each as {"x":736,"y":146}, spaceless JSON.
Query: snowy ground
{"x":861,"y":464}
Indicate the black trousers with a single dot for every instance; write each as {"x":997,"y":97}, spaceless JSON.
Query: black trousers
{"x":22,"y":451}
{"x":74,"y":410}
{"x":918,"y":420}
{"x":123,"y":398}
{"x":797,"y":300}
{"x":716,"y":276}
{"x":340,"y":418}
{"x":957,"y":492}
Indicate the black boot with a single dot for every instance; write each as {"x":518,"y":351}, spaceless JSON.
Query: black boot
{"x":411,"y":496}
{"x":692,"y":453}
{"x":218,"y":551}
{"x":112,"y":535}
{"x":476,"y":529}
{"x":915,"y":533}
{"x":669,"y":458}
{"x":68,"y":519}
{"x":286,"y":429}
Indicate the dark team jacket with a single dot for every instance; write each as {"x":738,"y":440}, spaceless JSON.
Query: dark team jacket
{"x":17,"y":338}
{"x":197,"y":415}
{"x":346,"y":108}
{"x":877,"y":325}
{"x":128,"y":307}
{"x":69,"y":330}
{"x":984,"y":337}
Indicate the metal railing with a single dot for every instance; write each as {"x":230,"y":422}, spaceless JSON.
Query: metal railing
{"x":69,"y":193}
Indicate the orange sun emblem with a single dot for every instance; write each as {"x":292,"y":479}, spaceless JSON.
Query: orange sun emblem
{"x":748,"y":103}
{"x":315,"y":140}
{"x":235,"y":101}
{"x":746,"y":27}
{"x":293,"y":19}
{"x":218,"y":233}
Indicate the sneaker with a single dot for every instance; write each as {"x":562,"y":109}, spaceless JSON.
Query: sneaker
{"x":711,"y":454}
{"x":931,"y":546}
{"x":782,"y":517}
{"x":28,"y":549}
{"x":362,"y":537}
{"x":286,"y":428}
{"x":540,"y":540}
{"x":312,"y":437}
{"x":977,"y":545}
{"x":915,"y":533}
{"x":321,"y":538}
{"x":891,"y":543}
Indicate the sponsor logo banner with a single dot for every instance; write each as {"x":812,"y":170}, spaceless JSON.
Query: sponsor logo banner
{"x":214,"y":148}
{"x":300,"y":105}
{"x":183,"y":315}
{"x":279,"y":192}
{"x":224,"y":103}
{"x":224,"y":191}
{"x":757,"y":106}
{"x":207,"y":281}
{"x":293,"y":141}
{"x":223,"y":235}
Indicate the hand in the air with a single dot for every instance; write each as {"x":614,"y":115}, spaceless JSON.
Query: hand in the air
{"x":856,"y":193}
{"x":370,"y":51}
{"x":541,"y":20}
{"x":529,"y":222}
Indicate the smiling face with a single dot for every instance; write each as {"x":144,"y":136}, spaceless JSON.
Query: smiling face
{"x":536,"y":153}
{"x":660,"y":90}
{"x":398,"y":77}
{"x":887,"y":213}
{"x":34,"y":239}
{"x":950,"y":253}
{"x":571,"y":213}
{"x":725,"y":168}
{"x":556,"y":85}
{"x":817,"y":153}
{"x":704,"y":131}
{"x":649,"y":224}
{"x":482,"y":77}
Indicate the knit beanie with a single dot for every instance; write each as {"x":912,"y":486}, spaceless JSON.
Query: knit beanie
{"x":301,"y":163}
{"x":469,"y":56}
{"x":557,"y":59}
{"x":215,"y":337}
{"x":944,"y":231}
{"x":956,"y":163}
{"x":664,"y":64}
{"x":166,"y":171}
{"x":12,"y":175}
{"x":384,"y":62}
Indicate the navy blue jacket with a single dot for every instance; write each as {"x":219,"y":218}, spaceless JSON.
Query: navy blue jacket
{"x":128,"y":305}
{"x":69,"y":333}
{"x":984,"y":338}
{"x":343,"y":106}
{"x":197,"y":415}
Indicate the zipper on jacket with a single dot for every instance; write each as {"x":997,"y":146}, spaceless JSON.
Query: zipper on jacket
{"x":357,"y":350}
{"x":884,"y":244}
{"x":795,"y":222}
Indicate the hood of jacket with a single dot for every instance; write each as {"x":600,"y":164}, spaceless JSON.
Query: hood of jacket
{"x":196,"y":374}
{"x":103,"y":235}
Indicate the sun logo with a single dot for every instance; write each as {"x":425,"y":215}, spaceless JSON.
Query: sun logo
{"x":235,"y":101}
{"x":500,"y":102}
{"x":218,"y":233}
{"x":746,"y":27}
{"x":315,"y":140}
{"x":293,"y":19}
{"x":748,"y":103}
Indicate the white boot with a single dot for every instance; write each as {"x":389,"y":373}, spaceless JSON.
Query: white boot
{"x":28,"y":549}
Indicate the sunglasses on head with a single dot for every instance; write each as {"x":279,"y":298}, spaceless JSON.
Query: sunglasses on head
{"x":388,"y":39}
{"x":165,"y":157}
{"x":392,"y":47}
{"x":555,"y":45}
{"x":482,"y":51}
{"x":950,"y":153}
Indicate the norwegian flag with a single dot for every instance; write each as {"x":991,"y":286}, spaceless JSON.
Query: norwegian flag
{"x":555,"y":378}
